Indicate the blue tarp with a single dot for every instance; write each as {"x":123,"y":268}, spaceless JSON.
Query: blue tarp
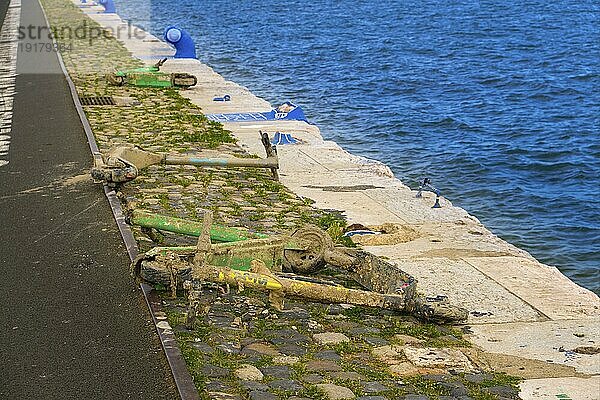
{"x":295,"y":114}
{"x":238,"y":117}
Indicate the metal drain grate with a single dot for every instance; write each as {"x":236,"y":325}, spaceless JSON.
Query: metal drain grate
{"x":97,"y":101}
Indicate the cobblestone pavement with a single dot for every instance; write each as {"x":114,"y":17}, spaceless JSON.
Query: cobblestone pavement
{"x":245,"y":349}
{"x":240,"y":347}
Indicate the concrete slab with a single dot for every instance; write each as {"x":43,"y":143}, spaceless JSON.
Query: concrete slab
{"x":304,"y":160}
{"x":451,"y":240}
{"x":429,"y":357}
{"x":561,"y":388}
{"x":551,"y":341}
{"x":211,"y":85}
{"x":307,"y":133}
{"x":418,"y":211}
{"x":542,"y":286}
{"x":356,"y":206}
{"x":487,"y":301}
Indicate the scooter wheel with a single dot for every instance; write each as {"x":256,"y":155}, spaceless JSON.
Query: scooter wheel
{"x":309,"y":257}
{"x":183,"y":80}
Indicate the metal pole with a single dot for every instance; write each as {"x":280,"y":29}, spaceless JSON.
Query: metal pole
{"x":218,"y":233}
{"x":308,"y":290}
{"x":270,"y":162}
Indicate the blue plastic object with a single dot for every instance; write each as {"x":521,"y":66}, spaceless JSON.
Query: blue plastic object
{"x":109,"y":6}
{"x":283,"y":138}
{"x":360,"y":232}
{"x":181,"y":40}
{"x":224,"y":98}
{"x":287,"y":111}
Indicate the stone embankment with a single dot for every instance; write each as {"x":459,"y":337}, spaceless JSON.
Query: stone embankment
{"x":526,"y":320}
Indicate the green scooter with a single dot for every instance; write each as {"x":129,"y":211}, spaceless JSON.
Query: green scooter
{"x":152,"y":77}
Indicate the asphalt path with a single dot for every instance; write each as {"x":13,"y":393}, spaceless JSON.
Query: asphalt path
{"x":73,"y":323}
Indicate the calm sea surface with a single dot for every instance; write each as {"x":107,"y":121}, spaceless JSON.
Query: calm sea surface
{"x":498,"y":103}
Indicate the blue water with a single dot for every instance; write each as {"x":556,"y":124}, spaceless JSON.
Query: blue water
{"x":498,"y":103}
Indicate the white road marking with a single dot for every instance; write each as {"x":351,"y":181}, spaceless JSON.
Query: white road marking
{"x":9,"y":40}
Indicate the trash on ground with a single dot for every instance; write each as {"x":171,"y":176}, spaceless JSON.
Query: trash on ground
{"x":151,"y":77}
{"x":282,"y":265}
{"x":122,"y":163}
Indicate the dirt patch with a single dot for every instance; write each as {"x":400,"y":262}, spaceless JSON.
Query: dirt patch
{"x":390,"y":234}
{"x":77,"y":179}
{"x":56,"y":184}
{"x":591,"y":350}
{"x":518,"y":366}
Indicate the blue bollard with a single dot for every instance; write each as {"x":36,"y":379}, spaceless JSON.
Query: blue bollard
{"x":183,"y":42}
{"x":109,"y":6}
